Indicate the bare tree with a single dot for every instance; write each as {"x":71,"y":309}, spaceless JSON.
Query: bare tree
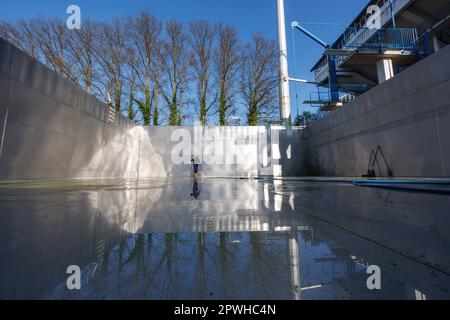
{"x":145,"y":31}
{"x":174,"y":65}
{"x":259,"y":78}
{"x":52,"y":38}
{"x":5,"y":30}
{"x":24,"y":35}
{"x":131,"y":80}
{"x":157,"y":77}
{"x":202,"y":40}
{"x":80,"y":46}
{"x":227,"y":59}
{"x":10,"y":32}
{"x":111,"y":56}
{"x":138,"y":65}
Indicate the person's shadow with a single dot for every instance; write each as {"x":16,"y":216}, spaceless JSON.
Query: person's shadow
{"x":196,"y":190}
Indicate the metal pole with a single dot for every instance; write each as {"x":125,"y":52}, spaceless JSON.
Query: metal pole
{"x":297,"y":25}
{"x":285,"y":102}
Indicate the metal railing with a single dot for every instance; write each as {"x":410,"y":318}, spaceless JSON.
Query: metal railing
{"x":343,"y":92}
{"x":370,"y":41}
{"x":379,"y":39}
{"x":356,"y":89}
{"x":318,"y":97}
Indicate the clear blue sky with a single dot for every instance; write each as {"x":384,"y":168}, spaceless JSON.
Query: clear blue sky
{"x":249,"y":16}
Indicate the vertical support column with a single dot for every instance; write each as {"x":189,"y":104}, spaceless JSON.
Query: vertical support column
{"x":436,"y":46}
{"x":385,"y":70}
{"x":334,"y":92}
{"x":285,"y":103}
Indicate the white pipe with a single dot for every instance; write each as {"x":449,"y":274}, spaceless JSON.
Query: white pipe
{"x":302,"y":81}
{"x":298,"y":80}
{"x":285,"y":101}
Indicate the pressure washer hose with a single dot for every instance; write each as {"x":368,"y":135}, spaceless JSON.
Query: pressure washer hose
{"x":441,"y":186}
{"x":407,"y":185}
{"x":395,"y":182}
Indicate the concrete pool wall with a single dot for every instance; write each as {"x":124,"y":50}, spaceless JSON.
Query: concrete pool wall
{"x":407,"y":116}
{"x":52,"y":129}
{"x":229,"y":151}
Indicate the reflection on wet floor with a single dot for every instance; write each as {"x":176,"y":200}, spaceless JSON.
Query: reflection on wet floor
{"x":221,"y":239}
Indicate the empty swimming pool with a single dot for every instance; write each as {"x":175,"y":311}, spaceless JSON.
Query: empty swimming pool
{"x":222,"y":239}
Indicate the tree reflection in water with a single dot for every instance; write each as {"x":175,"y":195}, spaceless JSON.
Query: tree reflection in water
{"x":224,"y":261}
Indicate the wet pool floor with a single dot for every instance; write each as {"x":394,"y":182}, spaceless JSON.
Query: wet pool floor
{"x":222,"y":239}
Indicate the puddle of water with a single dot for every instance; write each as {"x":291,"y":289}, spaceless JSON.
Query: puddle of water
{"x":222,"y":239}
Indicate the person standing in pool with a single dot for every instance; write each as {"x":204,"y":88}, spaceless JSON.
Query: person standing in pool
{"x":194,"y":165}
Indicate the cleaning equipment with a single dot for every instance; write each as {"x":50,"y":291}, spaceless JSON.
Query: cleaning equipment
{"x":374,"y":160}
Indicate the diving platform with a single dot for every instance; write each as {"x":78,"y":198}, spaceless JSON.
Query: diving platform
{"x":325,"y":106}
{"x":398,"y":57}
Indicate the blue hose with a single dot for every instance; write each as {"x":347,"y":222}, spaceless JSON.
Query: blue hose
{"x":407,"y":185}
{"x":408,"y":182}
{"x":396,"y":185}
